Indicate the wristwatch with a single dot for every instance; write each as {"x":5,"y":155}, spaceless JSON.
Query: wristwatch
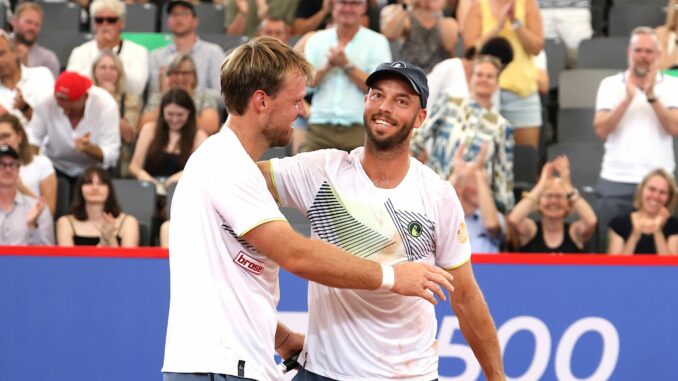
{"x":517,"y":23}
{"x":347,"y":68}
{"x":651,"y":99}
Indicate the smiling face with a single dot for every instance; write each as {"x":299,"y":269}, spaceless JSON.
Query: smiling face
{"x":484,"y":80}
{"x":392,"y":110}
{"x":175,"y":116}
{"x":348,"y":12}
{"x":183,"y":77}
{"x":553,"y":202}
{"x":285,"y":107}
{"x":655,"y":195}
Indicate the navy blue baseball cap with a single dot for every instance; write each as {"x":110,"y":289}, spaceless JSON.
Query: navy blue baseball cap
{"x":413,"y":74}
{"x":6,"y":150}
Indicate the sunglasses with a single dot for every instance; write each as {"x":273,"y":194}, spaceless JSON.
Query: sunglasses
{"x":108,"y":20}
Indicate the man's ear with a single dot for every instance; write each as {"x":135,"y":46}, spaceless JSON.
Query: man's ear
{"x":259,"y":100}
{"x":421,"y":116}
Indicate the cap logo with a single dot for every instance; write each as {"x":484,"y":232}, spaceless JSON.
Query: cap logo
{"x":399,"y":64}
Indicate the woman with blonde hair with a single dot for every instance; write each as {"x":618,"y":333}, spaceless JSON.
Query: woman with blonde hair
{"x":650,"y":229}
{"x":109,"y":74}
{"x":668,"y":37}
{"x":36,"y":174}
{"x":554,"y":198}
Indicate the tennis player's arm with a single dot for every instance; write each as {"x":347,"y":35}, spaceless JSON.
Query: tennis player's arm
{"x":326,"y":264}
{"x":476,"y":322}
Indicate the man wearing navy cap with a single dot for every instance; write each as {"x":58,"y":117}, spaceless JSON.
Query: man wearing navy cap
{"x":378,"y":203}
{"x":23,"y":219}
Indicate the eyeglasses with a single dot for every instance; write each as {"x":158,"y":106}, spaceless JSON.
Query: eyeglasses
{"x":180,"y":72}
{"x":108,"y":20}
{"x":12,"y":165}
{"x":354,"y":3}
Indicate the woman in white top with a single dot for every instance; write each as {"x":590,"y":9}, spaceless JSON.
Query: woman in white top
{"x":36,"y":174}
{"x":668,"y":37}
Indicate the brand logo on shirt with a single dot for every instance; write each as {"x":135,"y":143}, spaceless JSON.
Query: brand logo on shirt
{"x":462,"y":233}
{"x":415,"y":229}
{"x":248,"y":263}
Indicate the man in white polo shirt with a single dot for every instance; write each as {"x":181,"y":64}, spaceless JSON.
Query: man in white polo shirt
{"x":228,"y":237}
{"x":637,"y":116}
{"x":79,"y":126}
{"x":380,"y":204}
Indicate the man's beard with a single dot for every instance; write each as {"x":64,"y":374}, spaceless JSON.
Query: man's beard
{"x":395,"y":140}
{"x":20,"y":38}
{"x":277,"y":137}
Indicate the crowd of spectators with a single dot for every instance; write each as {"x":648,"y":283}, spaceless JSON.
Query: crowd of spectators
{"x":117,"y":110}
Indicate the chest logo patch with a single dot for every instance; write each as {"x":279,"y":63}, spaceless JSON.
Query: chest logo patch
{"x":415,"y":229}
{"x":248,"y":263}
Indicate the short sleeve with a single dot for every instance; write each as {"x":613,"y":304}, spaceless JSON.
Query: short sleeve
{"x":621,"y":225}
{"x":243,"y":199}
{"x":604,"y":99}
{"x":670,"y":96}
{"x":453,"y":248}
{"x":298,"y":178}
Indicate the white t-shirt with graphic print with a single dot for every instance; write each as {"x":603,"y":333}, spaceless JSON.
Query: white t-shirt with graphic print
{"x":373,"y":335}
{"x":223,"y":292}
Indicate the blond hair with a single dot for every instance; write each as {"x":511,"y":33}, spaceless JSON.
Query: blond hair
{"x":260,"y":64}
{"x":638,"y":196}
{"x":671,"y":12}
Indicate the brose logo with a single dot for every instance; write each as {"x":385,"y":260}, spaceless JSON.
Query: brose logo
{"x":248,"y":263}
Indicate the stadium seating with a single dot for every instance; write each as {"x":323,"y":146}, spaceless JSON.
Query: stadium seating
{"x":575,"y":125}
{"x":556,"y":55}
{"x":60,"y":17}
{"x":578,"y":88}
{"x":141,"y":17}
{"x":63,"y":42}
{"x":623,"y":18}
{"x":138,"y":199}
{"x":603,"y":53}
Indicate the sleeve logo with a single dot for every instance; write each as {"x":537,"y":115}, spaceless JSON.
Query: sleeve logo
{"x":415,"y":229}
{"x":462,"y":233}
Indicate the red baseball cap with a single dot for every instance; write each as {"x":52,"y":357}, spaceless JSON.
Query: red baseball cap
{"x":71,"y":85}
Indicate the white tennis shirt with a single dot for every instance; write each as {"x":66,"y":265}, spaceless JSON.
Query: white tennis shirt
{"x":373,"y":335}
{"x":223,"y":292}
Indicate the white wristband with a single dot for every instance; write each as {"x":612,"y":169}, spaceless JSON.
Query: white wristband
{"x":387,"y":277}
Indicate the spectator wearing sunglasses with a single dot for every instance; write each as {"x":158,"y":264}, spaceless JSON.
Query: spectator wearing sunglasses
{"x":108,"y":20}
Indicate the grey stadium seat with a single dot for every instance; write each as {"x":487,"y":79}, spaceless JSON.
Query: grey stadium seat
{"x":623,"y":18}
{"x":60,"y":17}
{"x":525,"y":168}
{"x":212,"y":18}
{"x":556,"y":60}
{"x":141,"y":18}
{"x":578,"y":88}
{"x":575,"y":125}
{"x":603,"y":53}
{"x":62,"y":43}
{"x":585,"y":160}
{"x":138,"y":199}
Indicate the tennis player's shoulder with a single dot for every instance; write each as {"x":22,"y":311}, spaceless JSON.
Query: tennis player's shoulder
{"x":430,"y":179}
